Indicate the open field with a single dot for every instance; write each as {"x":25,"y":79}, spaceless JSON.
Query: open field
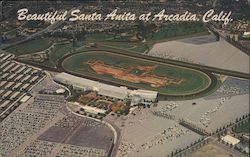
{"x":58,"y":51}
{"x":191,"y":81}
{"x":211,"y":150}
{"x":178,"y":29}
{"x":98,"y":36}
{"x":243,"y":128}
{"x":31,"y":46}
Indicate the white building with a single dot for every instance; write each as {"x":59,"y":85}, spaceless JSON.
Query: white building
{"x":9,"y":85}
{"x":4,"y":75}
{"x":14,"y":95}
{"x":17,"y":85}
{"x":21,"y":69}
{"x":2,"y":83}
{"x":4,"y":64}
{"x":25,"y":98}
{"x":1,"y":91}
{"x":18,"y":77}
{"x":146,"y":95}
{"x":230,"y":140}
{"x":7,"y":94}
{"x":25,"y":86}
{"x":60,"y":91}
{"x":11,"y":76}
{"x":76,"y":82}
{"x":8,"y":67}
{"x":15,"y":68}
{"x":4,"y":104}
{"x":6,"y":57}
{"x":33,"y":79}
{"x":113,"y":91}
{"x":25,"y":78}
{"x":89,"y":109}
{"x":121,"y":92}
{"x":27,"y":70}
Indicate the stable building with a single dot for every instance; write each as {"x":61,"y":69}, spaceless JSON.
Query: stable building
{"x":7,"y":94}
{"x":17,"y":85}
{"x":4,"y":75}
{"x":21,"y":69}
{"x":9,"y":85}
{"x":4,"y":64}
{"x":18,"y":77}
{"x":11,"y":76}
{"x":4,"y":104}
{"x":15,"y":68}
{"x":25,"y":86}
{"x":2,"y":83}
{"x":8,"y":67}
{"x":14,"y":95}
{"x":33,"y":79}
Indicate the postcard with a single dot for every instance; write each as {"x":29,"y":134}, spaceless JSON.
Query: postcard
{"x":162,"y":78}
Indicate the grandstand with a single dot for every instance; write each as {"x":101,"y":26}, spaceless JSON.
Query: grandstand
{"x":121,"y":92}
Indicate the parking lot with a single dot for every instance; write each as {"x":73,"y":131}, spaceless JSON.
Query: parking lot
{"x":205,"y":51}
{"x":156,"y":130}
{"x":145,"y":133}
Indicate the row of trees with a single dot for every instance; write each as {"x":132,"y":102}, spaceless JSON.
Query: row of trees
{"x":190,"y":148}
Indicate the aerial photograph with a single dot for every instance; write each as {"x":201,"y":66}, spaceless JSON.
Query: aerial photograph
{"x":132,"y":78}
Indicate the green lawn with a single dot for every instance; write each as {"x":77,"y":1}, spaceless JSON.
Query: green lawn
{"x":98,"y":36}
{"x":123,"y":45}
{"x":243,"y":128}
{"x":177,"y":29}
{"x":31,"y":46}
{"x":47,"y":63}
{"x":194,"y":81}
{"x":140,"y":48}
{"x":59,"y":51}
{"x":131,"y":47}
{"x":12,"y":33}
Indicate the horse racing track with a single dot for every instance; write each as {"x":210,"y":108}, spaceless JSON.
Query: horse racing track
{"x":137,"y":73}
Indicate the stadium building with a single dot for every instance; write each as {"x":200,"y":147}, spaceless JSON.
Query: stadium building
{"x":122,"y":93}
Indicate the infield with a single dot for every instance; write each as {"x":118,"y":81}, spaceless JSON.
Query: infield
{"x":137,"y":73}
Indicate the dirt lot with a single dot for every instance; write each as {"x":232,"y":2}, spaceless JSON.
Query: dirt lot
{"x":211,"y":150}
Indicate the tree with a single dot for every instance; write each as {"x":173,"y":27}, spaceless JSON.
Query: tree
{"x":236,"y":120}
{"x":145,"y":31}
